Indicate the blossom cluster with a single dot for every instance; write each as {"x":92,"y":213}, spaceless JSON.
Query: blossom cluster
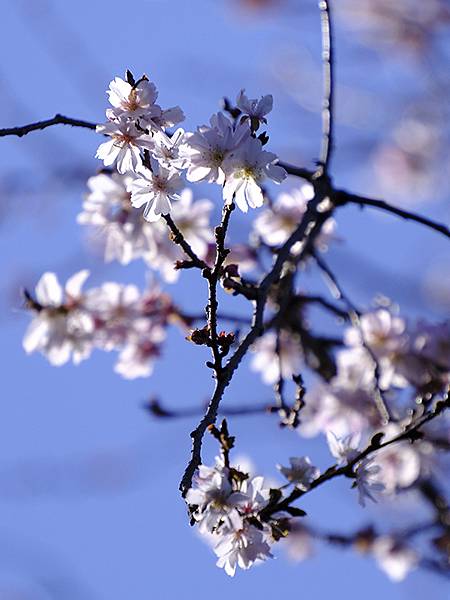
{"x":227,"y":152}
{"x":127,"y":236}
{"x":70,"y":323}
{"x":383,"y":354}
{"x":382,"y":359}
{"x":227,"y":506}
{"x":233,"y":512}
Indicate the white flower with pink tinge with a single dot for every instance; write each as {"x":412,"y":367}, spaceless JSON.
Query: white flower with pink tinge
{"x":124,"y":149}
{"x":246,"y":169}
{"x":277,"y":223}
{"x":241,"y":546}
{"x":155,"y":189}
{"x":256,"y":110}
{"x":400,"y":463}
{"x":214,"y":497}
{"x":273,"y":360}
{"x":301,"y":472}
{"x":132,"y":101}
{"x":396,"y":559}
{"x":368,"y":480}
{"x":207,"y":148}
{"x":345,"y":448}
{"x":137,"y":359}
{"x":117,"y":309}
{"x":107,"y":209}
{"x":62,"y":327}
{"x":382,"y":331}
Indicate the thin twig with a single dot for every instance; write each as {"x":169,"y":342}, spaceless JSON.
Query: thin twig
{"x":56,"y":120}
{"x":354,"y":315}
{"x":342,"y":198}
{"x":328,"y":85}
{"x":179,"y":239}
{"x":191,"y":318}
{"x":158,"y":410}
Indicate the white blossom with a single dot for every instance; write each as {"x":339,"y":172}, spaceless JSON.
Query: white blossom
{"x":254,"y":496}
{"x":246,"y":169}
{"x":301,"y":472}
{"x":287,"y":361}
{"x":107,"y":209}
{"x":61,"y":326}
{"x":256,"y":110}
{"x":344,"y":449}
{"x":137,"y":358}
{"x":214,"y":497}
{"x":155,"y":189}
{"x":132,"y":101}
{"x":207,"y":148}
{"x":396,"y":559}
{"x":167,"y":150}
{"x":399,"y":463}
{"x":382,"y":331}
{"x":123,"y":150}
{"x":368,"y":480}
{"x":192,"y":219}
{"x":275,"y":224}
{"x":242,"y":547}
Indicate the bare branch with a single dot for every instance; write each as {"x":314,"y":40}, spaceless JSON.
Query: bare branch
{"x":179,"y":239}
{"x":56,"y":120}
{"x":342,"y":198}
{"x":158,"y":410}
{"x":354,"y":313}
{"x":328,"y":85}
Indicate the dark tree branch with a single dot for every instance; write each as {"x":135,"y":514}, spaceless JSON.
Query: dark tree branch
{"x":342,"y":198}
{"x":297,"y":171}
{"x":354,"y":315}
{"x":328,"y":85}
{"x":220,"y":317}
{"x":305,"y":229}
{"x":158,"y":410}
{"x":179,"y":239}
{"x":56,"y":120}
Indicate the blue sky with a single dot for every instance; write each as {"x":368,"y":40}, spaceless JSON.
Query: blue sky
{"x":89,"y":507}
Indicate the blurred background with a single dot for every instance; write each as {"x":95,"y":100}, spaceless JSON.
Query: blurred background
{"x":89,"y":507}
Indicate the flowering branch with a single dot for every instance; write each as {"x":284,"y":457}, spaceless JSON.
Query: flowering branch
{"x":411,"y":433}
{"x":256,"y":330}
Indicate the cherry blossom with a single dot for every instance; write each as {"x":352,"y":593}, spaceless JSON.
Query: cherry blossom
{"x":242,"y":547}
{"x":123,"y":150}
{"x":61,"y":326}
{"x":368,"y":480}
{"x":396,"y":559}
{"x":301,"y":472}
{"x":287,"y":361}
{"x":255,"y":110}
{"x":155,"y":189}
{"x":275,"y":224}
{"x":245,"y":170}
{"x":207,"y":148}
